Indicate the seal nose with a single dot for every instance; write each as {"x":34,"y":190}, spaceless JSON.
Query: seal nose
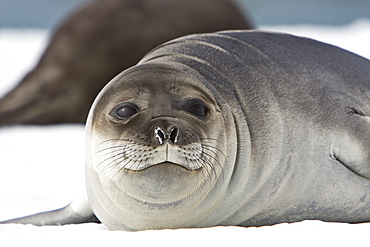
{"x":171,"y":135}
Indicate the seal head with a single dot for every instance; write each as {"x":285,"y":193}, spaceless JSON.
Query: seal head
{"x":157,"y":139}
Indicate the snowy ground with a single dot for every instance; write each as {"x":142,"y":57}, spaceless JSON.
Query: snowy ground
{"x":41,"y":168}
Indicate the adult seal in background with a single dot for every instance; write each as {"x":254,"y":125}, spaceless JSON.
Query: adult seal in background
{"x":244,"y":128}
{"x":97,"y":42}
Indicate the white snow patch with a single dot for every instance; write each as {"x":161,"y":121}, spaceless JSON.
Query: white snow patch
{"x":354,"y":37}
{"x":19,"y":53}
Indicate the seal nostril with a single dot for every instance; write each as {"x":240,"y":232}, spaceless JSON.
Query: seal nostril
{"x":174,"y":134}
{"x":160,"y":135}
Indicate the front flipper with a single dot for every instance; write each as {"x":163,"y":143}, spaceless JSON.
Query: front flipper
{"x":78,"y":211}
{"x":351,"y":148}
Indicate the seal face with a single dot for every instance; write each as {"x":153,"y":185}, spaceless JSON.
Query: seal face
{"x":158,"y":137}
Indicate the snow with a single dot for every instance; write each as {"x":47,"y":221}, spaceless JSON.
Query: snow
{"x":353,"y":37}
{"x":19,"y":51}
{"x":307,"y":233}
{"x":41,"y":168}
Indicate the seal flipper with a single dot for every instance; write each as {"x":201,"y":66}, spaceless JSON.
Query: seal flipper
{"x":78,"y":211}
{"x":352,"y":147}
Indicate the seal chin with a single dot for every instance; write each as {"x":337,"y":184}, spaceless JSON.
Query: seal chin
{"x":161,"y":183}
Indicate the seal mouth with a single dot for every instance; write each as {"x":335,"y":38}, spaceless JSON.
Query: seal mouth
{"x":187,"y":166}
{"x":188,"y":157}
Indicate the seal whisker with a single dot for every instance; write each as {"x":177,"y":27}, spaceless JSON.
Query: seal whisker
{"x":125,"y":168}
{"x":208,"y":175}
{"x":118,"y":161}
{"x":121,"y":171}
{"x":209,"y":148}
{"x":111,"y":160}
{"x":212,"y":160}
{"x":211,"y":139}
{"x":207,"y":159}
{"x":113,"y":140}
{"x":125,"y":154}
{"x":129,"y":145}
{"x":111,"y":149}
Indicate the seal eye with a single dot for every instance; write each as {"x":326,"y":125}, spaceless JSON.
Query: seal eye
{"x":124,"y":110}
{"x":197,"y":108}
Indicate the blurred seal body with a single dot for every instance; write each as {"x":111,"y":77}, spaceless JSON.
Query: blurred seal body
{"x":242,"y":128}
{"x":96,"y":43}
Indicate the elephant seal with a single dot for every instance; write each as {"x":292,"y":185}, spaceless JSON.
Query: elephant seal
{"x":244,"y":128}
{"x":96,"y":43}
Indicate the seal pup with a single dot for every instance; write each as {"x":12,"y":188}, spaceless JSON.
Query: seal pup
{"x":244,"y":128}
{"x":96,"y":43}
